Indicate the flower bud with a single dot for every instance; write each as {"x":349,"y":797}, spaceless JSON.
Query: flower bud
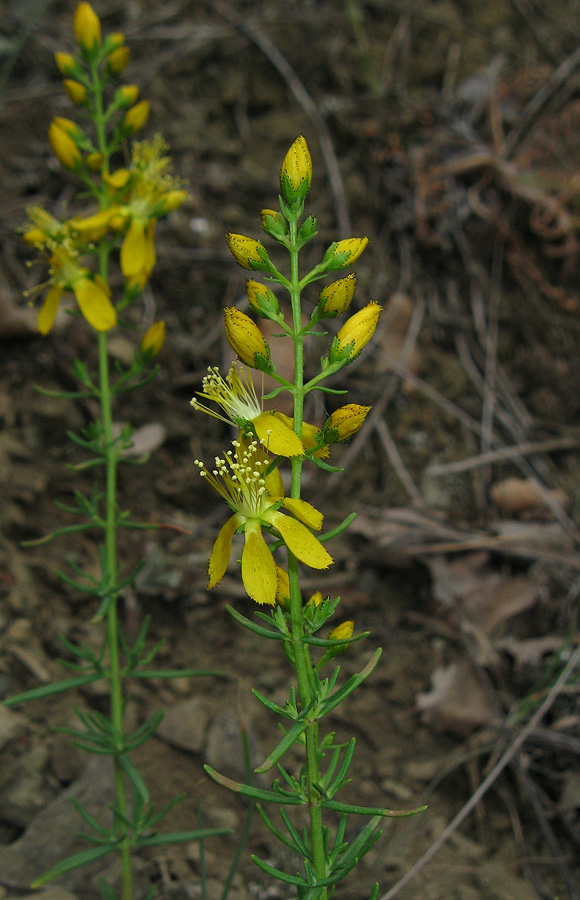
{"x":117,"y":179}
{"x":342,"y":631}
{"x":126,"y":96}
{"x":345,"y":422}
{"x":342,"y":254}
{"x":118,"y":60}
{"x":94,"y":161}
{"x":273,"y":223}
{"x":91,"y":228}
{"x":262,"y":299}
{"x":247,"y":252}
{"x":76,"y":92}
{"x":246,"y":339}
{"x":63,"y":145}
{"x":135,"y":118}
{"x":153,"y":340}
{"x":296,"y":172}
{"x":355,"y":333}
{"x":87,"y":27}
{"x":172,"y":200}
{"x":315,"y":600}
{"x":336,"y":297}
{"x":65,"y":62}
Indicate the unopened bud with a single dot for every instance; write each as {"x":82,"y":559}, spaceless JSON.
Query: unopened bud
{"x":76,"y":92}
{"x":296,"y":172}
{"x":262,"y":299}
{"x":87,"y":27}
{"x":336,"y":297}
{"x":136,"y":117}
{"x":355,"y":333}
{"x":153,"y":340}
{"x":63,"y":145}
{"x":247,"y":252}
{"x":345,"y":422}
{"x":118,"y":60}
{"x":246,"y":339}
{"x":342,"y":254}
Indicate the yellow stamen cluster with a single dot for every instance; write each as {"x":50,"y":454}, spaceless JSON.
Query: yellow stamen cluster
{"x":239,"y":478}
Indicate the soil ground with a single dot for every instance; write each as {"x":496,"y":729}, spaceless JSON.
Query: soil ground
{"x":447,"y":133}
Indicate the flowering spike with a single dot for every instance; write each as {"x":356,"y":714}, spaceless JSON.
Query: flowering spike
{"x":296,"y":172}
{"x":247,"y":252}
{"x":246,"y":339}
{"x":355,"y":333}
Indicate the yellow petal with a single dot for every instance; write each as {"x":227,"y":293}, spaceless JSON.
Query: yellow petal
{"x":94,"y":304}
{"x":300,"y":541}
{"x":222,"y":549}
{"x":258,"y":567}
{"x":49,"y":309}
{"x":134,"y":251}
{"x":305,"y":512}
{"x":278,"y":438}
{"x":274,"y":483}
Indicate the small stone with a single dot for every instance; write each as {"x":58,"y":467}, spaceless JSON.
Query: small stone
{"x":12,"y":725}
{"x":185,"y":724}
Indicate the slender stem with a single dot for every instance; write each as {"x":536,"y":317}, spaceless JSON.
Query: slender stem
{"x":302,"y":660}
{"x":109,"y":577}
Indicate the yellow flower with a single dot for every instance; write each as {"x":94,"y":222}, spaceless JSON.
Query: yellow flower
{"x":92,"y":228}
{"x":62,"y":143}
{"x":247,"y":252}
{"x":153,"y":340}
{"x":45,"y":228}
{"x":296,"y":172}
{"x":91,"y":293}
{"x":76,"y":92}
{"x":136,"y":117}
{"x":239,"y":477}
{"x":245,"y":338}
{"x":145,"y":192}
{"x":118,"y":60}
{"x":342,"y":254}
{"x":342,"y":631}
{"x":355,"y":333}
{"x":336,"y":297}
{"x":237,"y":396}
{"x":344,"y":422}
{"x":87,"y":27}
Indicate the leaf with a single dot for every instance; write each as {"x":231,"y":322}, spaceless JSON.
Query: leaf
{"x":178,"y":837}
{"x":287,"y":741}
{"x":50,"y":689}
{"x":279,"y":797}
{"x":73,"y":862}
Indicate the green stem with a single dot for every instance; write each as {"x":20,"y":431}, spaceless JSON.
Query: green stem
{"x":301,"y":656}
{"x":109,"y":576}
{"x":113,"y":631}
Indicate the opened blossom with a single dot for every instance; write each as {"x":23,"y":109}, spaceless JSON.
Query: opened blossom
{"x":240,"y":478}
{"x":236,"y":396}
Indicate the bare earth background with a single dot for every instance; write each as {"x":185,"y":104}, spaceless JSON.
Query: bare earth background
{"x":446,"y":132}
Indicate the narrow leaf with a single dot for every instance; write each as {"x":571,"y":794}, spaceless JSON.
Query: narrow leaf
{"x":73,"y":862}
{"x":247,"y":790}
{"x":49,"y":690}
